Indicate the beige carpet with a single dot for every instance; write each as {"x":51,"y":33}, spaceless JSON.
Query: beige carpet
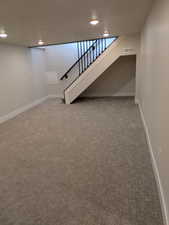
{"x":81,"y":164}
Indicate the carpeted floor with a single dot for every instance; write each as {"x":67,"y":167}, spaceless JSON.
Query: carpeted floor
{"x":81,"y":164}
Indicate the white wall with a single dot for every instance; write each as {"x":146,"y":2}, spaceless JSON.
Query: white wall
{"x":117,"y":80}
{"x":59,"y":58}
{"x":153,"y":87}
{"x":22,"y":77}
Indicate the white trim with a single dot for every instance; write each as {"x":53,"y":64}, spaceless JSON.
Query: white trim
{"x":127,"y":94}
{"x":155,"y":167}
{"x":108,"y":95}
{"x":21,"y":110}
{"x":136,"y":101}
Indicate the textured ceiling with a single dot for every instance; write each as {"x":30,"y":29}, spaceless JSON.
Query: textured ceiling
{"x":59,"y":21}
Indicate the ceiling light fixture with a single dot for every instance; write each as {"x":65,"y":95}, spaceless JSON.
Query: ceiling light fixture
{"x":106,"y":34}
{"x":3,"y":35}
{"x":94,"y":22}
{"x":40,"y":42}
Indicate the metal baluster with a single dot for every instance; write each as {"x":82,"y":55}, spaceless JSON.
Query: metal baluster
{"x":96,"y":50}
{"x":93,"y":50}
{"x":99,"y":45}
{"x":81,"y":56}
{"x":84,"y":61}
{"x":94,"y":47}
{"x":102,"y":44}
{"x":90,"y":52}
{"x":78,"y":56}
{"x":87,"y":54}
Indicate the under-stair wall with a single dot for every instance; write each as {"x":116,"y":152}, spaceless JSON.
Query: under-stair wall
{"x":117,"y":81}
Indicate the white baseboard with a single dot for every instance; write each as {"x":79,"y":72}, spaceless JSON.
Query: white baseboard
{"x":21,"y":110}
{"x":16,"y":112}
{"x":155,"y":167}
{"x":108,"y":95}
{"x":127,"y":94}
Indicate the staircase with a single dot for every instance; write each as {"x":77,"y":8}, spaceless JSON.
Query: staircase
{"x":94,"y":57}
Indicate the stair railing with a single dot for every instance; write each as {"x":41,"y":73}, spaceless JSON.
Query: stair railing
{"x":88,"y":52}
{"x":95,"y":50}
{"x":92,"y":54}
{"x":83,"y":48}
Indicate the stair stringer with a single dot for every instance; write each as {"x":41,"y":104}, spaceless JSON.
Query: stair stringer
{"x":106,"y":59}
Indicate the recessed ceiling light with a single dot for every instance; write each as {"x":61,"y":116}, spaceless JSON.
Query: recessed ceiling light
{"x":3,"y":35}
{"x":106,"y":34}
{"x":40,"y":42}
{"x":94,"y":22}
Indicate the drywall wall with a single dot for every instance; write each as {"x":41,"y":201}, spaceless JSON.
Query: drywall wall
{"x":22,"y":77}
{"x":117,"y":80}
{"x":38,"y":63}
{"x":59,"y":58}
{"x":57,"y":88}
{"x":153,"y":88}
